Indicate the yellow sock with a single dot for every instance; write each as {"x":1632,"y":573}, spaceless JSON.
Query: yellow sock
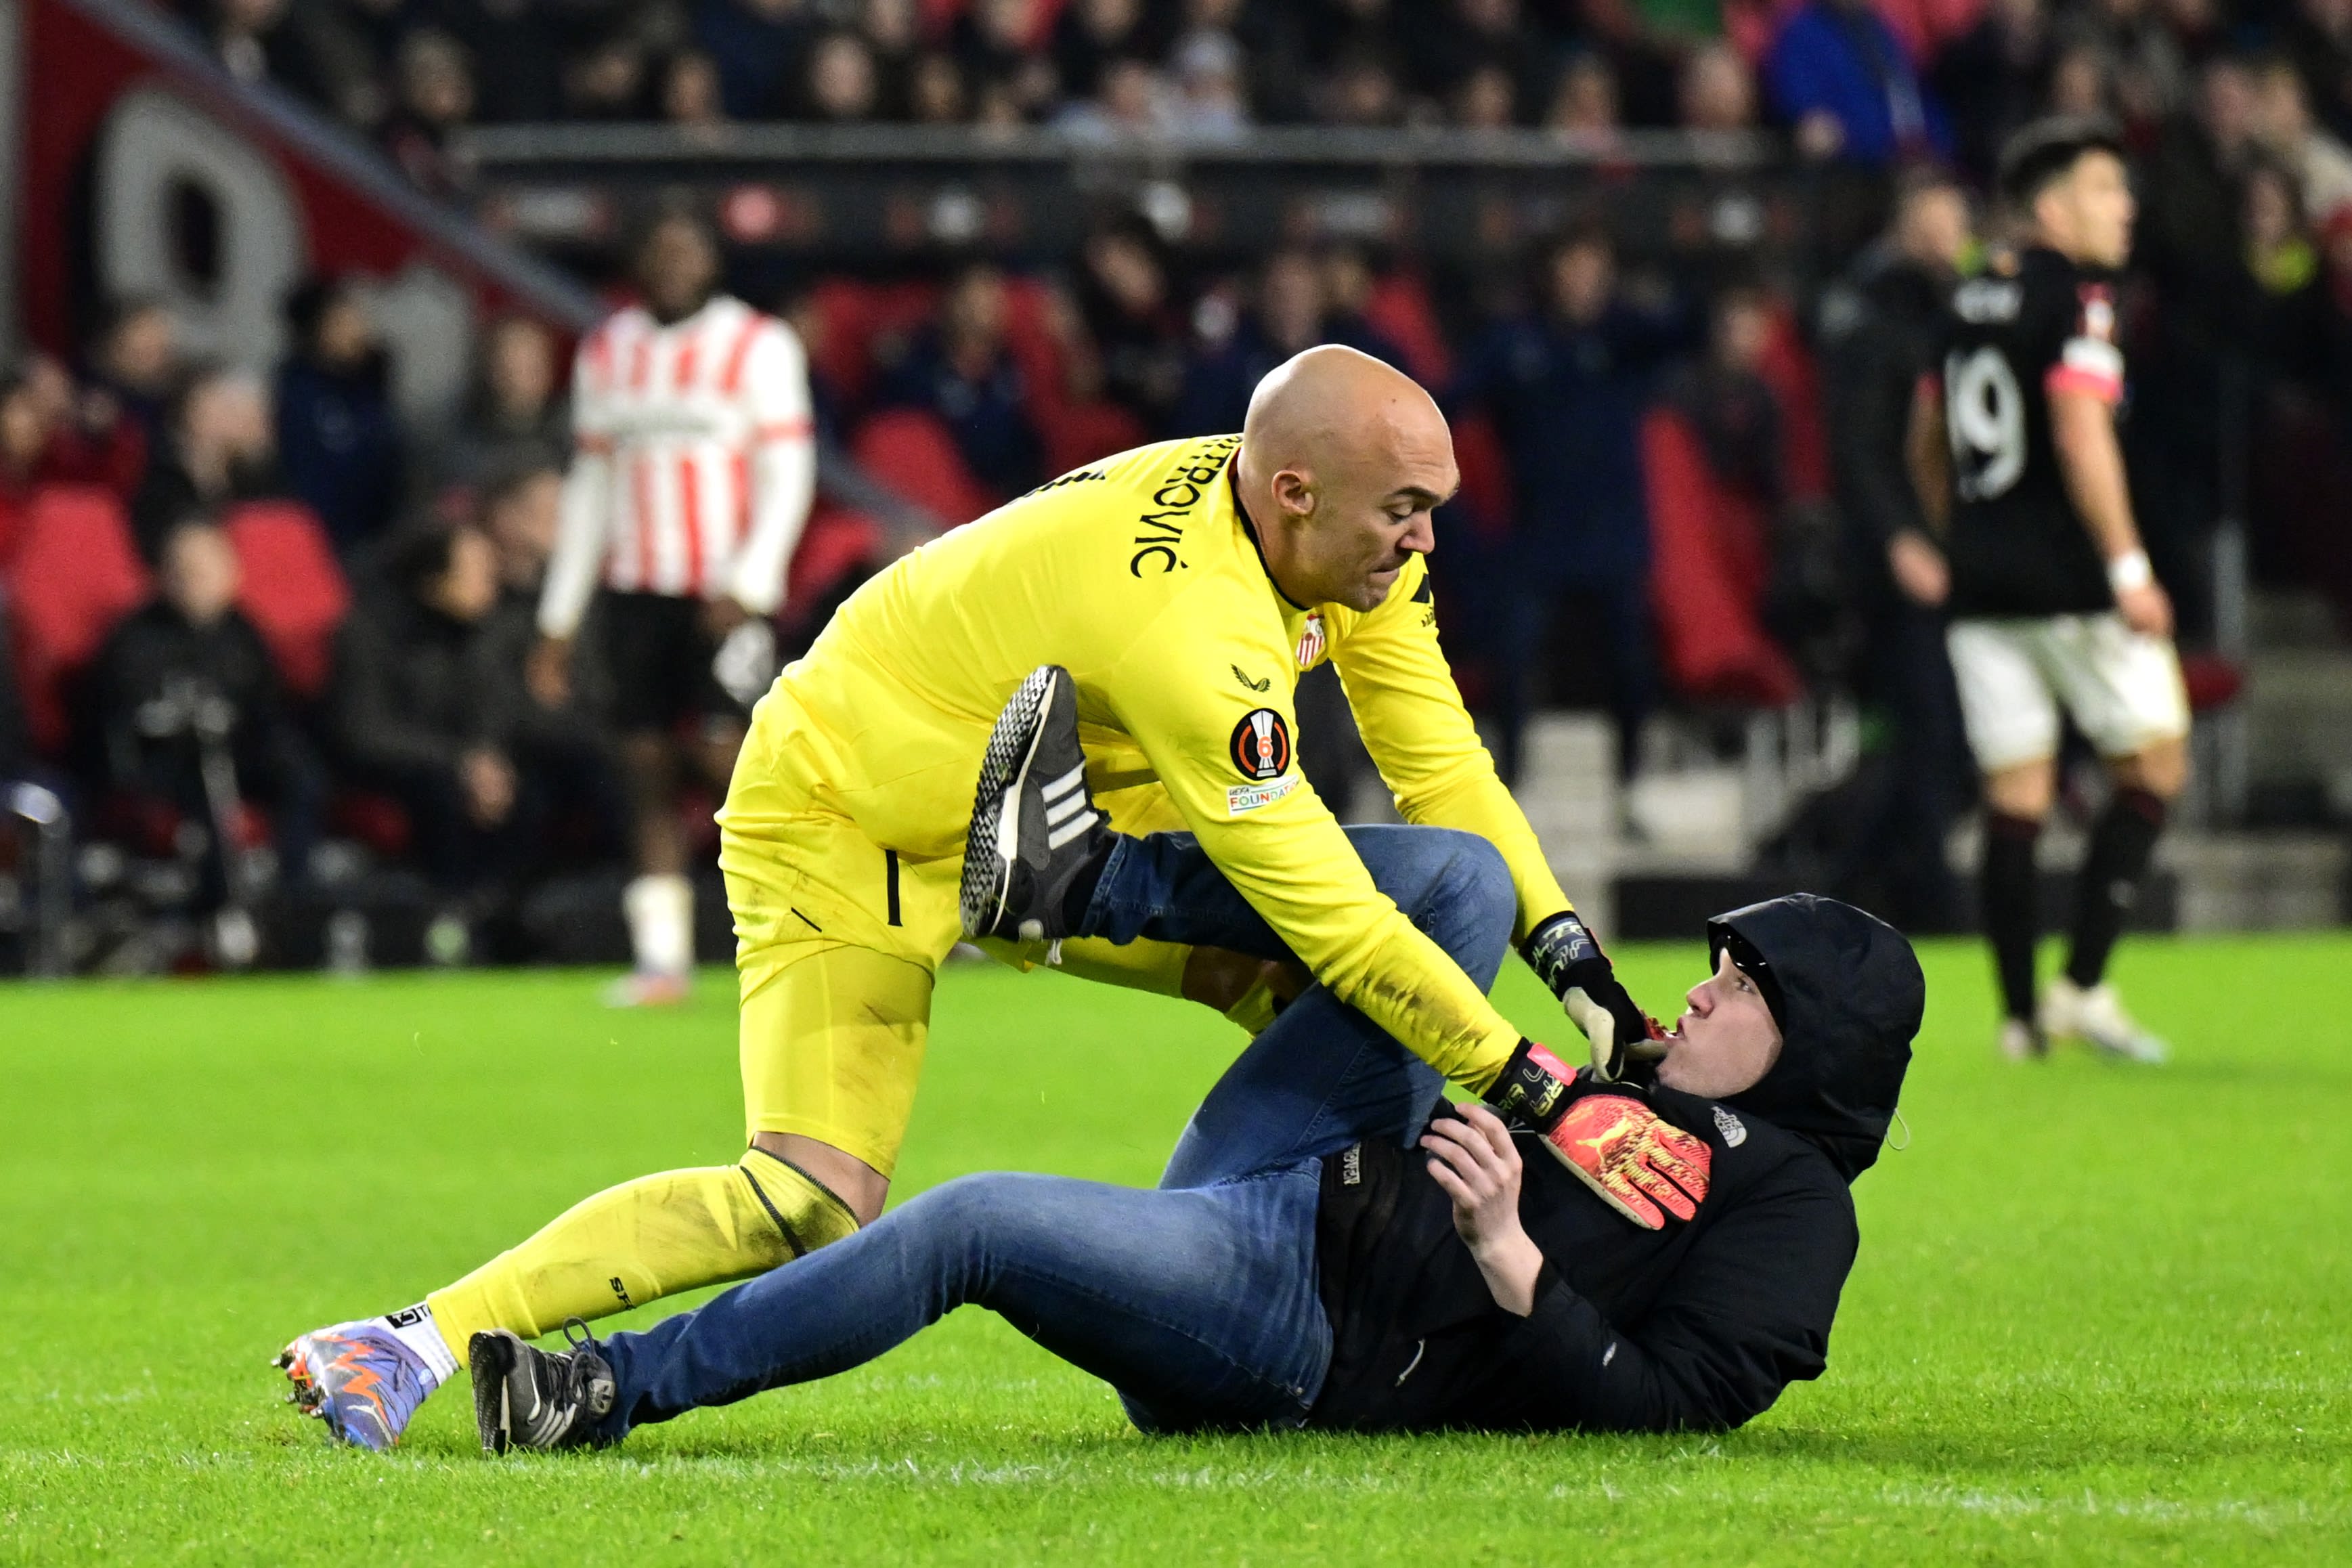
{"x":643,"y":1241}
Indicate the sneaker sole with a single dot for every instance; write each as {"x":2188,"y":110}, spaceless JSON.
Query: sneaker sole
{"x":1004,"y":769}
{"x":489,"y":1359}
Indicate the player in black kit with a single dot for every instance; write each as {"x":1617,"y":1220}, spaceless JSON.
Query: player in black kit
{"x":2014,"y":453}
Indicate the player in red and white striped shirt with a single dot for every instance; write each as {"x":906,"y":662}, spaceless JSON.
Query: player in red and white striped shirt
{"x":691,"y":480}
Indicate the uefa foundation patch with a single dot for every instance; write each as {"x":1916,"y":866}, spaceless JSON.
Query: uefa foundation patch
{"x":1242,"y":799}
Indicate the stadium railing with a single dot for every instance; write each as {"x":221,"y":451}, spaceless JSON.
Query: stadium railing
{"x":861,"y":196}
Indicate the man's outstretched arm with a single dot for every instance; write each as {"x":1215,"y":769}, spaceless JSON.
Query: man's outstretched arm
{"x":1411,"y":717}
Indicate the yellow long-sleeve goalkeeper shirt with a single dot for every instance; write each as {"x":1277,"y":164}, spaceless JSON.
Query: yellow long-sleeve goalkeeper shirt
{"x":1139,"y":575}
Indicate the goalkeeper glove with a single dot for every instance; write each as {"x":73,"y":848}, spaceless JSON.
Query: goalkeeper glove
{"x":1637,"y":1162}
{"x":1565,"y":957}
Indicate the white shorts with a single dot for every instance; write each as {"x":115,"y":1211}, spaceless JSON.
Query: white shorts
{"x":2123,"y":688}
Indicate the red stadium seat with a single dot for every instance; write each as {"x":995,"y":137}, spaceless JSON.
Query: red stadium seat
{"x":836,"y":542}
{"x":1076,"y":434}
{"x":75,"y":573}
{"x":1707,"y":577}
{"x":294,"y":590}
{"x":1788,"y":371}
{"x":1034,"y":341}
{"x":1485,"y":498}
{"x":853,"y":317}
{"x":1399,"y":311}
{"x":911,"y":451}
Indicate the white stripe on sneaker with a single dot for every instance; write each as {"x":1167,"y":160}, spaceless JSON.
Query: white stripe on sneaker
{"x":1071,"y":830}
{"x":1054,"y":814}
{"x":1066,"y":783}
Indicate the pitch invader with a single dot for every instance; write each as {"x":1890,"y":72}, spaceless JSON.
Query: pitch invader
{"x":691,"y":481}
{"x":2014,"y":451}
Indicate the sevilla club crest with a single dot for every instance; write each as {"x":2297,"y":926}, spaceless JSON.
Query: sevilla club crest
{"x":1311,"y":640}
{"x":1261,"y":745}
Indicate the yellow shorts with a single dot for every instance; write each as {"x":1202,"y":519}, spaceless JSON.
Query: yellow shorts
{"x":836,"y":944}
{"x":832,"y":1047}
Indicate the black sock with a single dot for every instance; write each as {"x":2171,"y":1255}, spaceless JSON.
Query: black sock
{"x":2010,"y":919}
{"x":2120,"y":845}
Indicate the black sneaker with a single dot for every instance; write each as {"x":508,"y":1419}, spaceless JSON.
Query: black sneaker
{"x":1034,"y":828}
{"x":525,"y":1397}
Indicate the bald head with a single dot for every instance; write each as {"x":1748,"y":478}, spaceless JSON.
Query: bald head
{"x":1342,"y":459}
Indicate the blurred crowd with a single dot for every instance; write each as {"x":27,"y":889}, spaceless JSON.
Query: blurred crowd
{"x":1877,"y":83}
{"x":251,"y":614}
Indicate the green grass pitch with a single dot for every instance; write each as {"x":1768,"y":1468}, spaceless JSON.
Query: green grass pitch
{"x":2101,"y":1313}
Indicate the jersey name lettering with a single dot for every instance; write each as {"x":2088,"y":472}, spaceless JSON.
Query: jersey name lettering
{"x":1989,"y":300}
{"x":1178,"y":495}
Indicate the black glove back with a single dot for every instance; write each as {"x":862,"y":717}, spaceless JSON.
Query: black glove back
{"x":1564,"y":953}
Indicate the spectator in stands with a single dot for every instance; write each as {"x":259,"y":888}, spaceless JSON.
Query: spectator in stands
{"x":337,"y":435}
{"x":222,"y":449}
{"x":515,"y":409}
{"x":185,"y":683}
{"x":1124,"y":299}
{"x":998,"y":42}
{"x":2319,"y":42}
{"x":1584,"y":100}
{"x":1209,"y":102}
{"x":892,"y":32}
{"x":270,"y":41}
{"x":1724,"y":399}
{"x":89,"y":441}
{"x":1566,"y":387}
{"x":437,"y":97}
{"x":2082,"y":82}
{"x":606,"y":79}
{"x":136,"y":362}
{"x":1348,"y":289}
{"x":2141,"y":56}
{"x":1716,"y":90}
{"x":1338,"y":31}
{"x":354,"y":43}
{"x":2282,"y":123}
{"x":935,"y":94}
{"x":1267,"y":33}
{"x":25,"y":427}
{"x":1485,"y":100}
{"x":842,"y":87}
{"x":1090,"y":34}
{"x":1362,"y":88}
{"x":1134,"y":106}
{"x":1471,"y":35}
{"x":1840,"y":77}
{"x":690,"y":92}
{"x":961,"y":370}
{"x":761,"y":47}
{"x":2285,"y":303}
{"x":2188,"y":260}
{"x":559,"y":732}
{"x":1993,"y":78}
{"x":418,"y":710}
{"x":1289,"y":318}
{"x":516,"y":48}
{"x":519,"y":507}
{"x":1878,"y":331}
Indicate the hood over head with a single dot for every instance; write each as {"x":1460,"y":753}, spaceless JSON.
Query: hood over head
{"x":1847,"y":993}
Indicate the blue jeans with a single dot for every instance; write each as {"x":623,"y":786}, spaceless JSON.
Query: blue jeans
{"x":1198,"y":1302}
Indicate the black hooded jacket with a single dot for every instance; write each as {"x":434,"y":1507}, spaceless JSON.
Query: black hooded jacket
{"x":1701,"y":1324}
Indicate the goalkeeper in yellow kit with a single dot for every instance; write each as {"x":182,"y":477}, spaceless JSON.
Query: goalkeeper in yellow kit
{"x":1181,"y":589}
